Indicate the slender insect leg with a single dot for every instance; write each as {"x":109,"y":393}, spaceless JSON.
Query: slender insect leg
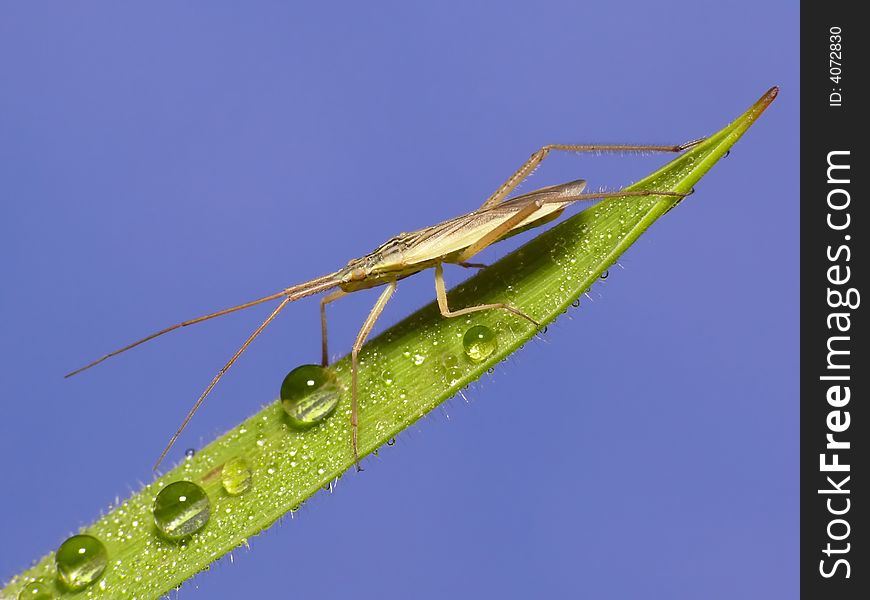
{"x":471,"y":265}
{"x":441,"y":293}
{"x":538,"y":157}
{"x":357,"y":346}
{"x":618,"y":194}
{"x":217,"y":378}
{"x":324,"y":357}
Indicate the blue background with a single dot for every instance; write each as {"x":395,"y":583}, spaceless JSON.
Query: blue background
{"x":155,"y":165}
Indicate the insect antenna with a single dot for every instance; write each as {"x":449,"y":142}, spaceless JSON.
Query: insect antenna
{"x":292,"y":293}
{"x":217,"y":378}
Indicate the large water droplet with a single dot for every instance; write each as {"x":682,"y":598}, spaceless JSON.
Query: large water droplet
{"x":309,"y":394}
{"x":36,"y":590}
{"x":80,"y":561}
{"x":479,"y":342}
{"x":236,"y":476}
{"x":180,"y":509}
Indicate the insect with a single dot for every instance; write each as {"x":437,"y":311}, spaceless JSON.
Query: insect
{"x":454,"y":241}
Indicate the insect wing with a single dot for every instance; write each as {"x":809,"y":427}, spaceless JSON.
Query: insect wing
{"x":461,"y":232}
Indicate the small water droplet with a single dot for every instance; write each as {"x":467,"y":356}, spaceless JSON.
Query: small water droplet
{"x":479,"y":343}
{"x":36,"y":590}
{"x":80,"y":561}
{"x":387,"y":377}
{"x":449,"y":361}
{"x":605,"y":275}
{"x":189,"y":453}
{"x":309,"y":394}
{"x":419,"y":359}
{"x":236,"y":476}
{"x":576,"y":303}
{"x":391,"y":442}
{"x":181,"y":509}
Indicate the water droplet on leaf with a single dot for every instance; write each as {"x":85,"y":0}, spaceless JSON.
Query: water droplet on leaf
{"x":309,"y":394}
{"x":479,"y":343}
{"x":36,"y":590}
{"x":180,"y":509}
{"x":236,"y":476}
{"x":80,"y":561}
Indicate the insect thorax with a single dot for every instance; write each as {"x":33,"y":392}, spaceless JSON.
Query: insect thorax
{"x":385,"y":263}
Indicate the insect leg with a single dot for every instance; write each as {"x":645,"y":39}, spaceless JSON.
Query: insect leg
{"x":217,"y":378}
{"x":617,"y":194}
{"x":324,"y":357}
{"x":538,"y":157}
{"x":357,"y":345}
{"x":441,"y":293}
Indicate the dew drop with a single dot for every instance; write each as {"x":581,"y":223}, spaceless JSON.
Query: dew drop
{"x":309,"y":394}
{"x":576,"y":303}
{"x":391,"y":442}
{"x":236,"y":476}
{"x":189,"y":453}
{"x":180,"y":509}
{"x":387,"y":377}
{"x":479,"y":343}
{"x":605,"y":275}
{"x":36,"y":590}
{"x":80,"y":561}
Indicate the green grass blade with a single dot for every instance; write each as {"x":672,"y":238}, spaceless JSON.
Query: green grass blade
{"x":405,"y":373}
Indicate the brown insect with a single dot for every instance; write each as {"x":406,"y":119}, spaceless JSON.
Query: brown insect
{"x":454,"y":241}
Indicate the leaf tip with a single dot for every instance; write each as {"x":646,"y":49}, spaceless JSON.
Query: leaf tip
{"x":768,"y":97}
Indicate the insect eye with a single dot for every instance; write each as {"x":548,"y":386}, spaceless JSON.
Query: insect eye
{"x":357,"y":275}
